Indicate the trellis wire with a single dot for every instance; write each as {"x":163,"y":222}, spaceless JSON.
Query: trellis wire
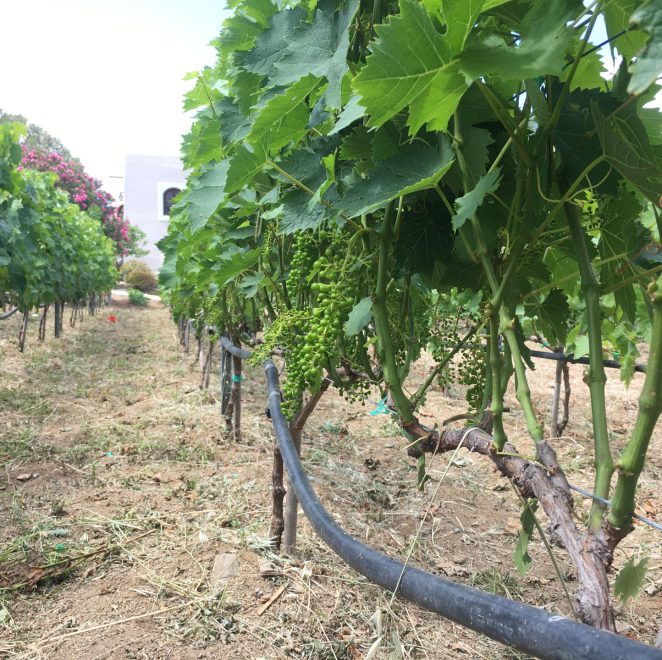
{"x":597,"y":498}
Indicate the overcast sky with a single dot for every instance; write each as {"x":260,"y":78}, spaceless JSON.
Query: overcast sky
{"x":105,"y":76}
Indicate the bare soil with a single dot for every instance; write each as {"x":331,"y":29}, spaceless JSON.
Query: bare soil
{"x":120,"y":492}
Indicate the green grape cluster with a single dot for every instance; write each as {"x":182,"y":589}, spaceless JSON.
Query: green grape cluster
{"x":442,"y":341}
{"x":282,"y":333}
{"x":269,"y":236}
{"x":302,"y":262}
{"x":334,"y":298}
{"x":211,"y":309}
{"x":472,"y":373}
{"x":356,"y":391}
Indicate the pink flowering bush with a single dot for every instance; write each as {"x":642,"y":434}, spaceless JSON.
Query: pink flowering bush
{"x":86,"y":191}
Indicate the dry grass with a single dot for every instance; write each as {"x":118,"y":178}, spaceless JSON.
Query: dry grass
{"x":133,"y":489}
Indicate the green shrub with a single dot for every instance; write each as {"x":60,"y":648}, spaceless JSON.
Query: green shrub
{"x":138,"y":275}
{"x":137,"y":298}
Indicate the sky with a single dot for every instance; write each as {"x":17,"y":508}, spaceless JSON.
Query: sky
{"x":105,"y":76}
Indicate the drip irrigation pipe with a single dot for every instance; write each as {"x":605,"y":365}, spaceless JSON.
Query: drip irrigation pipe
{"x":561,"y":357}
{"x":233,"y":350}
{"x":526,"y":628}
{"x":521,"y":626}
{"x":6,"y":315}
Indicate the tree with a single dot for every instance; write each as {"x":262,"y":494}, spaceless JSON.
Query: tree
{"x":87,"y":193}
{"x":36,"y":138}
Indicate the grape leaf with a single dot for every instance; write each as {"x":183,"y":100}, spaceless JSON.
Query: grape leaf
{"x":416,"y":166}
{"x":620,"y":234}
{"x":298,"y":215}
{"x":357,"y":145}
{"x":467,"y":205}
{"x":553,"y":315}
{"x":410,"y":65}
{"x":541,"y":49}
{"x":617,"y":21}
{"x":245,"y":163}
{"x":284,"y":118}
{"x":425,"y":237}
{"x":459,"y":16}
{"x":234,"y":124}
{"x":351,"y":112}
{"x":242,"y":29}
{"x":274,"y":42}
{"x":226,"y":270}
{"x":319,"y":48}
{"x":521,"y":556}
{"x":250,"y":284}
{"x":205,"y":193}
{"x":359,"y":317}
{"x":626,"y":148}
{"x":588,"y":74}
{"x":629,"y":579}
{"x":651,"y":118}
{"x":578,"y":144}
{"x":648,"y":66}
{"x":202,"y":145}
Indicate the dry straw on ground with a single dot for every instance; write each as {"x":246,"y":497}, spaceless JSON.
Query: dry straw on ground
{"x":133,"y":491}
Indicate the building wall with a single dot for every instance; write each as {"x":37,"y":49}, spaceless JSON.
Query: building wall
{"x":146,"y":178}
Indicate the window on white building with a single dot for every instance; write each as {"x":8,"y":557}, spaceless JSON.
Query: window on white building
{"x":168,"y":196}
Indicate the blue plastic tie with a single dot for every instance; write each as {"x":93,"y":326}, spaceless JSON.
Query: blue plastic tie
{"x":381,"y":409}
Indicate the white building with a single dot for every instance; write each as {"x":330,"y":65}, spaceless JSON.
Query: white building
{"x":150,"y":183}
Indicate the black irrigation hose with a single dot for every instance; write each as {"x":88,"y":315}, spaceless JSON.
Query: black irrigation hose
{"x":6,"y":315}
{"x":231,"y":348}
{"x":524,"y":627}
{"x":560,"y":357}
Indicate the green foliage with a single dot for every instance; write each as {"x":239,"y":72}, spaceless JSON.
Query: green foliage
{"x":411,"y":66}
{"x":37,"y":137}
{"x":139,"y":275}
{"x":521,"y":555}
{"x":648,"y":65}
{"x":369,"y":179}
{"x":629,"y":579}
{"x":50,"y":250}
{"x":138,"y":298}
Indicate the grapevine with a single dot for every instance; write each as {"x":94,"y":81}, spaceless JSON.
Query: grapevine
{"x":501,"y":189}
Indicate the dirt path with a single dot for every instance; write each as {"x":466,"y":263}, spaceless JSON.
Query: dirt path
{"x":115,"y":459}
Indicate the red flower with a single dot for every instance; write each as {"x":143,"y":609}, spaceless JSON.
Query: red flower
{"x":112,"y":319}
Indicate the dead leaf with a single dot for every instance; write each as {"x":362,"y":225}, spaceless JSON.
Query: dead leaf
{"x":26,"y":476}
{"x":225,"y":566}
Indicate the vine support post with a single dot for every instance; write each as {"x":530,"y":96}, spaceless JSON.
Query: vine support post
{"x":291,"y":501}
{"x":187,"y":335}
{"x":22,"y":333}
{"x":291,"y":504}
{"x":207,"y":363}
{"x":496,"y":409}
{"x":59,"y":308}
{"x":561,"y":381}
{"x":225,"y":382}
{"x":278,"y":495}
{"x":236,"y":396}
{"x":556,"y":399}
{"x":42,"y":323}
